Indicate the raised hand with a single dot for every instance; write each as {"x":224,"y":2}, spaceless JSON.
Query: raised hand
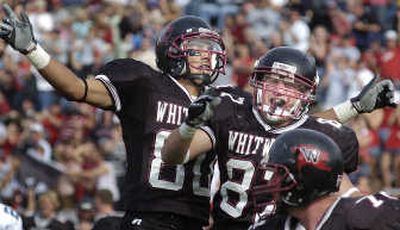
{"x":202,"y":109}
{"x":17,"y":32}
{"x":374,"y":95}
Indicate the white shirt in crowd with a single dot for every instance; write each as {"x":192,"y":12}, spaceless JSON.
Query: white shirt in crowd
{"x":10,"y":220}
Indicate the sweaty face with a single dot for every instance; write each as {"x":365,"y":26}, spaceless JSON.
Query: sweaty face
{"x":280,"y":97}
{"x":202,"y":55}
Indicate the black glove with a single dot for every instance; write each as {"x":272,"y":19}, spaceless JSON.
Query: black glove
{"x":17,"y":32}
{"x":374,"y":95}
{"x":202,"y":109}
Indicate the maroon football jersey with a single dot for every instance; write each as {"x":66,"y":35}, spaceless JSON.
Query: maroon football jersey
{"x":242,"y":139}
{"x":150,"y":105}
{"x":372,"y":212}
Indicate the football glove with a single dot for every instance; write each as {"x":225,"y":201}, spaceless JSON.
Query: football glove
{"x":374,"y":95}
{"x":202,"y":109}
{"x":17,"y":32}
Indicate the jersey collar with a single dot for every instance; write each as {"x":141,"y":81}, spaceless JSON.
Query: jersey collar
{"x":191,"y":98}
{"x":268,"y":128}
{"x":321,"y":223}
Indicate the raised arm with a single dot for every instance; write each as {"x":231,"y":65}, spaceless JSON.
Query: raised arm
{"x":18,"y":33}
{"x":374,"y":95}
{"x":180,"y":149}
{"x":189,"y":140}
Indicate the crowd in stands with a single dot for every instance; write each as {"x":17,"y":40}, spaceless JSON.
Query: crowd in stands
{"x":352,"y":41}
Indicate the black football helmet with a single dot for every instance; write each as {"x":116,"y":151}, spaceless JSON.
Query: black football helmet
{"x":190,"y":36}
{"x":302,"y":166}
{"x":284,"y":82}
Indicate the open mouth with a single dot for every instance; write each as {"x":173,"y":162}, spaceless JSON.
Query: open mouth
{"x":276,"y":104}
{"x":205,"y":67}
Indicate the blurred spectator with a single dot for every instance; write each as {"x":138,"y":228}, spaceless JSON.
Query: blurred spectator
{"x":93,"y":173}
{"x":345,"y":46}
{"x":37,"y":145}
{"x":362,"y":76}
{"x":52,"y":119}
{"x":146,"y":53}
{"x":366,"y":129}
{"x":45,"y":91}
{"x":56,"y":45}
{"x":13,"y":138}
{"x":390,"y":57}
{"x":379,"y":10}
{"x":42,"y":20}
{"x":237,"y":27}
{"x":339,"y":22}
{"x":86,"y":212}
{"x":296,"y":32}
{"x":82,"y":24}
{"x":338,"y":77}
{"x":242,"y":66}
{"x":68,"y":211}
{"x":366,"y":27}
{"x":45,"y":216}
{"x":106,"y":217}
{"x":264,"y":19}
{"x":4,"y":106}
{"x":214,"y":11}
{"x":8,"y":180}
{"x":351,"y":41}
{"x":319,"y":49}
{"x":391,"y":157}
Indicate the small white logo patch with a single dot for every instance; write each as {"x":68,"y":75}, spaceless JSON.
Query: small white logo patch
{"x":136,"y":221}
{"x":283,"y":66}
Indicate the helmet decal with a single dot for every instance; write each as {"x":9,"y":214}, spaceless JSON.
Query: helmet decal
{"x":282,"y":66}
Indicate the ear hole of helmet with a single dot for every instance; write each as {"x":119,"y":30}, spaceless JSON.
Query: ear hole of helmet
{"x":177,"y":68}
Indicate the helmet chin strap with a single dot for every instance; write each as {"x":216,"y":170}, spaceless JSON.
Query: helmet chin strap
{"x":199,"y":80}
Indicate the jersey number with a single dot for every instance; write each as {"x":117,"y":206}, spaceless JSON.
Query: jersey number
{"x":157,"y":167}
{"x":235,"y":209}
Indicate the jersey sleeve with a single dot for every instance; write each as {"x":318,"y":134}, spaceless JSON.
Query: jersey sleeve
{"x":349,"y":145}
{"x":123,"y":77}
{"x":233,"y":102}
{"x":344,"y":137}
{"x":375,"y":212}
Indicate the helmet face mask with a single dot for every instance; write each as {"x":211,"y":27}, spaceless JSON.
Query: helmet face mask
{"x":284,"y":83}
{"x":274,"y":180}
{"x":189,"y":49}
{"x":281,"y":97}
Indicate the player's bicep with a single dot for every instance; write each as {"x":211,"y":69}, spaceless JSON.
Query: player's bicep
{"x":98,"y":95}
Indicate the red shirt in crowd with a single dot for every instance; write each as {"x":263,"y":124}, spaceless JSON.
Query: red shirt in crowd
{"x":389,"y":63}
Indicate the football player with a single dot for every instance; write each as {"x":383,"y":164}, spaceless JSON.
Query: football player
{"x":243,"y":127}
{"x":302,"y":175}
{"x":149,"y":104}
{"x":10,"y":219}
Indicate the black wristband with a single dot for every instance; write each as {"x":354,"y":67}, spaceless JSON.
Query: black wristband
{"x":83,"y":98}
